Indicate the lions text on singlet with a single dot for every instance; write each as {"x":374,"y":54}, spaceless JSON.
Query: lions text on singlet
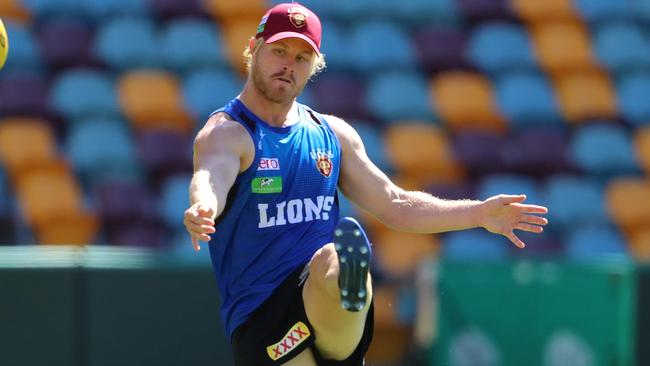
{"x":280,"y":211}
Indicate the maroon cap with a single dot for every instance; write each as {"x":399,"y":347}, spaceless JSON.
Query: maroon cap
{"x":290,"y":20}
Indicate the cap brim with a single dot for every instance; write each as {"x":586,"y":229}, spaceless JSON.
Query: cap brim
{"x":283,"y":35}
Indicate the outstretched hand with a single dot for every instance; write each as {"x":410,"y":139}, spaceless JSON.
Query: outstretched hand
{"x":199,"y":222}
{"x":504,"y":213}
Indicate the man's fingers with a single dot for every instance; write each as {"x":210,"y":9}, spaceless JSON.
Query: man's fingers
{"x":199,"y":220}
{"x":515,"y":240}
{"x":195,"y":244}
{"x":205,"y":211}
{"x":199,"y":229}
{"x":532,"y":219}
{"x":508,"y":199}
{"x":533,"y":209}
{"x":528,"y":227}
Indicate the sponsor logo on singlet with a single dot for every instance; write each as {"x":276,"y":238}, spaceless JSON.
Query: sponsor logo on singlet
{"x":294,"y":211}
{"x":269,"y":164}
{"x":296,"y":335}
{"x":266,"y":185}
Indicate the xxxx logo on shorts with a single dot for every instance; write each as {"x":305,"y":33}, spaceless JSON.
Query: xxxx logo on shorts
{"x":296,"y":335}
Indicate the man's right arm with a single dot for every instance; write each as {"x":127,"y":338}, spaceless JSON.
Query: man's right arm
{"x":221,"y":150}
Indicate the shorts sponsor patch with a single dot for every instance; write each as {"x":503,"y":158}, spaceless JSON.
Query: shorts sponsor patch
{"x":266,"y":185}
{"x":296,"y":335}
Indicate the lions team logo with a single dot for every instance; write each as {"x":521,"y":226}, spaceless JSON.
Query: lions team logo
{"x":324,"y":165}
{"x":298,"y":17}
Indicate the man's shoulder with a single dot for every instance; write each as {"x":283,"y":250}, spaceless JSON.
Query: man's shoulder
{"x":221,"y":127}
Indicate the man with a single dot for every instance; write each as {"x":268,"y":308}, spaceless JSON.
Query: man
{"x":293,"y":278}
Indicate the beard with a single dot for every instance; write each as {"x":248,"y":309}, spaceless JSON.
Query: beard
{"x":274,"y":94}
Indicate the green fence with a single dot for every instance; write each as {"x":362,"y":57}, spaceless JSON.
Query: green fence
{"x":99,"y":306}
{"x":536,"y":313}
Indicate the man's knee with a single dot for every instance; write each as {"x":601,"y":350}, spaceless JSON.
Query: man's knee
{"x":324,"y":268}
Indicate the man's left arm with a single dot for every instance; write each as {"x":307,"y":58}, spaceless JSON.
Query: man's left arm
{"x":366,"y":185}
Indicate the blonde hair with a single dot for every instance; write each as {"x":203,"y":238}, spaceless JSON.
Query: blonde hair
{"x":319,"y":65}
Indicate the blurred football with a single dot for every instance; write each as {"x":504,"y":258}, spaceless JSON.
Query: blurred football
{"x":4,"y":44}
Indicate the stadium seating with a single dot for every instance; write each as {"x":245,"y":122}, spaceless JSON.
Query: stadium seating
{"x":84,"y":93}
{"x":400,"y":252}
{"x":632,"y":91}
{"x":14,"y":10}
{"x":538,"y":151}
{"x":174,"y":200}
{"x":340,"y":94}
{"x":235,"y":35}
{"x":77,"y":50}
{"x":621,"y":47}
{"x":563,"y":47}
{"x":411,"y":102}
{"x":374,"y":144}
{"x":574,"y":201}
{"x":526,"y":98}
{"x":164,"y":153}
{"x":204,"y":51}
{"x":480,"y":152}
{"x":100,"y":100}
{"x":205,"y":90}
{"x":128,"y":42}
{"x":586,"y":96}
{"x":465,"y":101}
{"x":485,"y":10}
{"x":627,"y":203}
{"x":228,"y":11}
{"x":422,"y":152}
{"x":588,"y":153}
{"x":473,"y":245}
{"x":101,"y":9}
{"x":534,"y":11}
{"x":642,"y":148}
{"x":166,"y":9}
{"x":152,"y":99}
{"x":127,"y":210}
{"x":52,"y":202}
{"x":596,"y":243}
{"x":495,"y":184}
{"x":380,"y":45}
{"x":498,"y":47}
{"x":603,"y":10}
{"x":640,"y":245}
{"x":25,"y":143}
{"x":100,"y":149}
{"x":24,"y":94}
{"x":25,"y":52}
{"x":441,"y":48}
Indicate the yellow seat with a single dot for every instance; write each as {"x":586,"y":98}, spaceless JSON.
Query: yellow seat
{"x":391,"y":339}
{"x":422,"y":151}
{"x":14,"y":10}
{"x":236,"y":36}
{"x":25,"y":143}
{"x":627,"y":201}
{"x":53,"y":204}
{"x":544,"y":10}
{"x":640,"y":245}
{"x":80,"y":229}
{"x":586,"y":95}
{"x":563,"y":47}
{"x":642,"y":147}
{"x":49,"y":192}
{"x":151,"y":99}
{"x":465,"y":100}
{"x":232,"y":11}
{"x":400,"y":253}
